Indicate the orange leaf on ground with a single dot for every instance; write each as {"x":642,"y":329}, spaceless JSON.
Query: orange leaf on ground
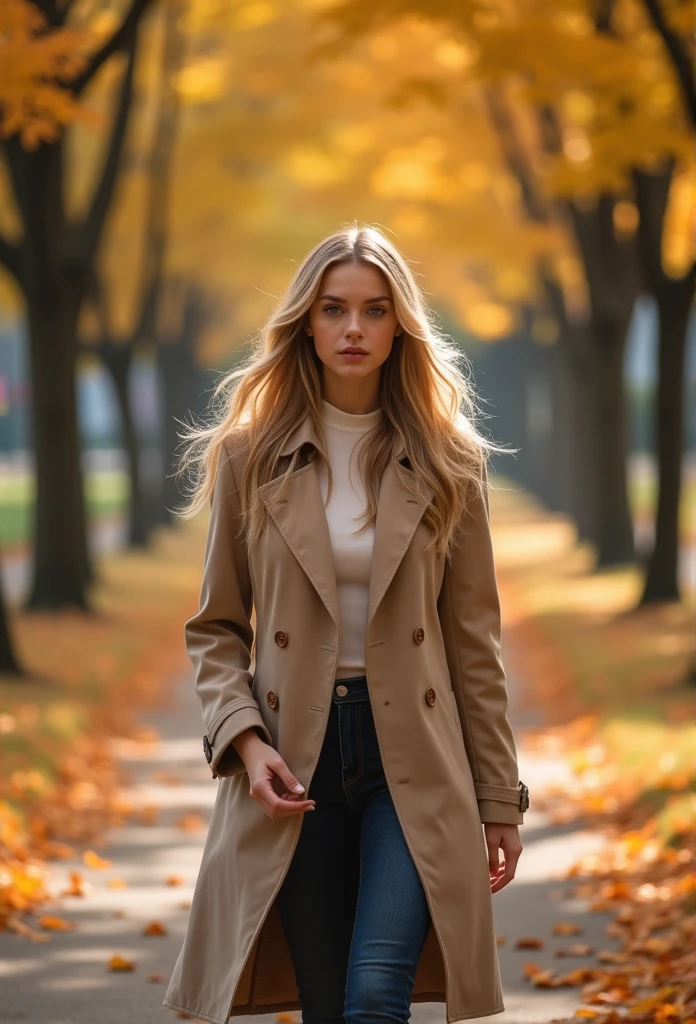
{"x":192,"y":822}
{"x":78,"y":886}
{"x":530,"y":969}
{"x":174,"y":880}
{"x":545,"y":979}
{"x":157,"y":978}
{"x":577,"y":949}
{"x":56,"y":924}
{"x":566,"y":928}
{"x":93,"y":860}
{"x":653,"y":1001}
{"x":117,"y":883}
{"x":154,"y":928}
{"x":120,"y":963}
{"x":529,"y":943}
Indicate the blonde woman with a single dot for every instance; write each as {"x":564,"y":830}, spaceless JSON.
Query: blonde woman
{"x":346,"y":656}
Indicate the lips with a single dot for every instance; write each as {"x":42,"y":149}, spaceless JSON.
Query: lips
{"x":353,"y":351}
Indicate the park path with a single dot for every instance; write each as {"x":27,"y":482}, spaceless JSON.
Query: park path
{"x":66,"y":981}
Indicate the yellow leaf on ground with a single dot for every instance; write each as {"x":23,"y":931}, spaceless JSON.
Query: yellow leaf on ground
{"x":93,"y":860}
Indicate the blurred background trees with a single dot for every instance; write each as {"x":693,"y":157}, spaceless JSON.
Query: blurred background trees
{"x":163,"y":164}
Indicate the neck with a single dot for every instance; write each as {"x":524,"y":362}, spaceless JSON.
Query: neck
{"x":354,"y":396}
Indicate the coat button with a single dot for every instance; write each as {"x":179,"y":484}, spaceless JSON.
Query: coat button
{"x":419,"y":635}
{"x":430,"y":696}
{"x":281,"y":638}
{"x":272,"y":699}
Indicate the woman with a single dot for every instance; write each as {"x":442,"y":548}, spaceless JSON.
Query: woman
{"x":354,"y":702}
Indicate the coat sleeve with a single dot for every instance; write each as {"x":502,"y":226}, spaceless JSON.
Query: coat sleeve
{"x":219,"y":636}
{"x":469,"y":611}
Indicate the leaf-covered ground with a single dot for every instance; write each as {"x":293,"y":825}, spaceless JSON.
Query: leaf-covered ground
{"x":89,"y":676}
{"x":614,"y":687}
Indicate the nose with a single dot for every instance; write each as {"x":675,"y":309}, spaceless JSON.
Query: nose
{"x":353,"y":328}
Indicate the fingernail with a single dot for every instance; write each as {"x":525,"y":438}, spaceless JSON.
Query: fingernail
{"x":299,"y":788}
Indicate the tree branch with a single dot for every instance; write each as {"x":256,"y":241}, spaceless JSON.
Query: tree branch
{"x":678,"y":54}
{"x":121,"y":40}
{"x":88,"y":233}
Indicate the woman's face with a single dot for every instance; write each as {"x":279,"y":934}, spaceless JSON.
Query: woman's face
{"x":354,"y":310}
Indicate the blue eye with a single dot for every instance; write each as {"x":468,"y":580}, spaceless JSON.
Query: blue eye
{"x":378,"y":309}
{"x":327,"y":309}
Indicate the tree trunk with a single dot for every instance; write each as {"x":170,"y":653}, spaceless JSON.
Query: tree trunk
{"x":180,"y":377}
{"x":674,"y":304}
{"x":61,"y":557}
{"x":9,"y":665}
{"x":118,"y":360}
{"x":614,"y":531}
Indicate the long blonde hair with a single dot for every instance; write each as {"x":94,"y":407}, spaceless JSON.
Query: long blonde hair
{"x":425,"y":396}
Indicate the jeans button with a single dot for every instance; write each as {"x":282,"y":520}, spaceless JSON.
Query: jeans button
{"x":341,"y":690}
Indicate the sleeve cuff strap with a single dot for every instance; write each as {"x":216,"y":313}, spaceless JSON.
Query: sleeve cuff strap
{"x":500,"y":811}
{"x":226,"y":760}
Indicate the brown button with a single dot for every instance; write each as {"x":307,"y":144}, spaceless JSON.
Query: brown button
{"x":272,"y":699}
{"x":281,"y":638}
{"x":419,"y":635}
{"x":430,"y":696}
{"x":341,"y":690}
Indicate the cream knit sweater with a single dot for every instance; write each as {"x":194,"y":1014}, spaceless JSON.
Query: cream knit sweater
{"x":352,"y":554}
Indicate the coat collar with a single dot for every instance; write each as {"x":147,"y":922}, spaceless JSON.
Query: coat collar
{"x":304,"y":432}
{"x":300,"y":517}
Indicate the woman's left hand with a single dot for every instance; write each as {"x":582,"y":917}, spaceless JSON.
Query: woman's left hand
{"x":506,"y":838}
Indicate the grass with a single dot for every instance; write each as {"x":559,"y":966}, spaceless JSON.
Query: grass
{"x":106,"y":495}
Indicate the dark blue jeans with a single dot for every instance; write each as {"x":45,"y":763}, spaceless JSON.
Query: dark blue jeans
{"x":352,"y":904}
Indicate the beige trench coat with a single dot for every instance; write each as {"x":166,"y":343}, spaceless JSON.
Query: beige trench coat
{"x":264,"y":646}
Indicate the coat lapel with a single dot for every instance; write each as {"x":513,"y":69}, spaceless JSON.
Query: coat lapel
{"x":301,"y":518}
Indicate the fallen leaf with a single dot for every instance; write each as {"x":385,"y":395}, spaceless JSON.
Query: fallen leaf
{"x":566,"y":928}
{"x":529,"y":943}
{"x":120,"y":963}
{"x":78,"y":886}
{"x":56,"y":924}
{"x":154,"y":928}
{"x":93,"y":860}
{"x":577,"y":949}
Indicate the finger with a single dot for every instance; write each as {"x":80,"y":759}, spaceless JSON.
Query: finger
{"x":280,"y":808}
{"x":292,"y":783}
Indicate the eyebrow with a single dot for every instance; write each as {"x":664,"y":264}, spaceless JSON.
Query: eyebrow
{"x":337,"y":298}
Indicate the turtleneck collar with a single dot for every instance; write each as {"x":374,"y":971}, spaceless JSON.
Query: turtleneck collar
{"x":355,"y":422}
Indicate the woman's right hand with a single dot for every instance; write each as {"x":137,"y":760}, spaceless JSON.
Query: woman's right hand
{"x":271,"y":783}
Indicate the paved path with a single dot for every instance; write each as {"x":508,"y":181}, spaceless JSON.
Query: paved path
{"x":66,"y":981}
